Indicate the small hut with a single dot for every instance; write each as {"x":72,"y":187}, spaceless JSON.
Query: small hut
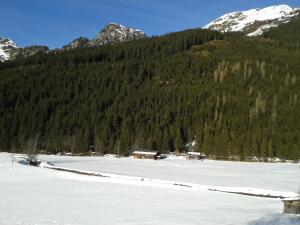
{"x":31,"y":160}
{"x":146,"y":155}
{"x":291,"y":205}
{"x":195,"y":156}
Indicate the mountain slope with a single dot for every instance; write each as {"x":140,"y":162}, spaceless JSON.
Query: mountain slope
{"x":255,"y":21}
{"x":288,"y":33}
{"x":237,"y":97}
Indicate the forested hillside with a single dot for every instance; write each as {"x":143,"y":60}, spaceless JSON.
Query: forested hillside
{"x":234,"y":95}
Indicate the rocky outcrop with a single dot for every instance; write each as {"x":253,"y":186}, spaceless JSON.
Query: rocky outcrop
{"x":31,"y":50}
{"x":77,"y":43}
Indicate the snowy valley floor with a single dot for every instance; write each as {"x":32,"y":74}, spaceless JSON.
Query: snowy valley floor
{"x":40,"y":196}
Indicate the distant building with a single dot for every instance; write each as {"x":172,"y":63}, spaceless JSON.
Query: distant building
{"x":291,"y":205}
{"x":93,"y":153}
{"x":146,"y":155}
{"x":31,"y":160}
{"x":195,"y":156}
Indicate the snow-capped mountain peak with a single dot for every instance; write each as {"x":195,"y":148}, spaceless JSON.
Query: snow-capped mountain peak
{"x":254,"y":21}
{"x":8,"y":49}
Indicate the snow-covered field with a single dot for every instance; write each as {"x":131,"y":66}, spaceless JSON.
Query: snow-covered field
{"x":41,"y":196}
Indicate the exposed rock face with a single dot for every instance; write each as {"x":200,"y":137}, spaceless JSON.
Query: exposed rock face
{"x":77,"y":43}
{"x":31,"y":50}
{"x":255,"y":21}
{"x":8,"y":49}
{"x":116,"y":33}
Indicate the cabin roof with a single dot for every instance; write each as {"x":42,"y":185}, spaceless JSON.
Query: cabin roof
{"x":145,"y":152}
{"x":194,"y":153}
{"x":291,"y":199}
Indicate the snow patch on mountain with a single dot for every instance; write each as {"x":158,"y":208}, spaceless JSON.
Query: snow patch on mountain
{"x":3,"y":55}
{"x":255,"y":21}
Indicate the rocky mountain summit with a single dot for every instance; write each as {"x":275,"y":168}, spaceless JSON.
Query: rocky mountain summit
{"x":111,"y":34}
{"x":77,"y":43}
{"x":255,"y":21}
{"x":116,"y":33}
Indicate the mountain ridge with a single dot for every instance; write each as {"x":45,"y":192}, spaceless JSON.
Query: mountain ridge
{"x":112,"y":33}
{"x":9,"y":50}
{"x":253,"y":22}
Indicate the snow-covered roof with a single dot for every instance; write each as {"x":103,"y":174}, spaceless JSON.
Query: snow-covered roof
{"x":291,"y":199}
{"x":194,"y":153}
{"x":145,"y":153}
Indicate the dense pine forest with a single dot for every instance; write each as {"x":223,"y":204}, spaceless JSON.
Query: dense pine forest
{"x":234,"y":95}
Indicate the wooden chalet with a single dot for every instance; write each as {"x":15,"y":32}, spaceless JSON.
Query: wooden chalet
{"x":195,"y":156}
{"x":291,"y":205}
{"x":155,"y":155}
{"x":32,"y":161}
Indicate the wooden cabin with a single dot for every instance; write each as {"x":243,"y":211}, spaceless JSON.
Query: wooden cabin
{"x":32,"y":161}
{"x":146,"y":155}
{"x":291,"y":205}
{"x":195,"y":156}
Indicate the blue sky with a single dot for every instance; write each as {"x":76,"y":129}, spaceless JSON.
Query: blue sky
{"x":57,"y":22}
